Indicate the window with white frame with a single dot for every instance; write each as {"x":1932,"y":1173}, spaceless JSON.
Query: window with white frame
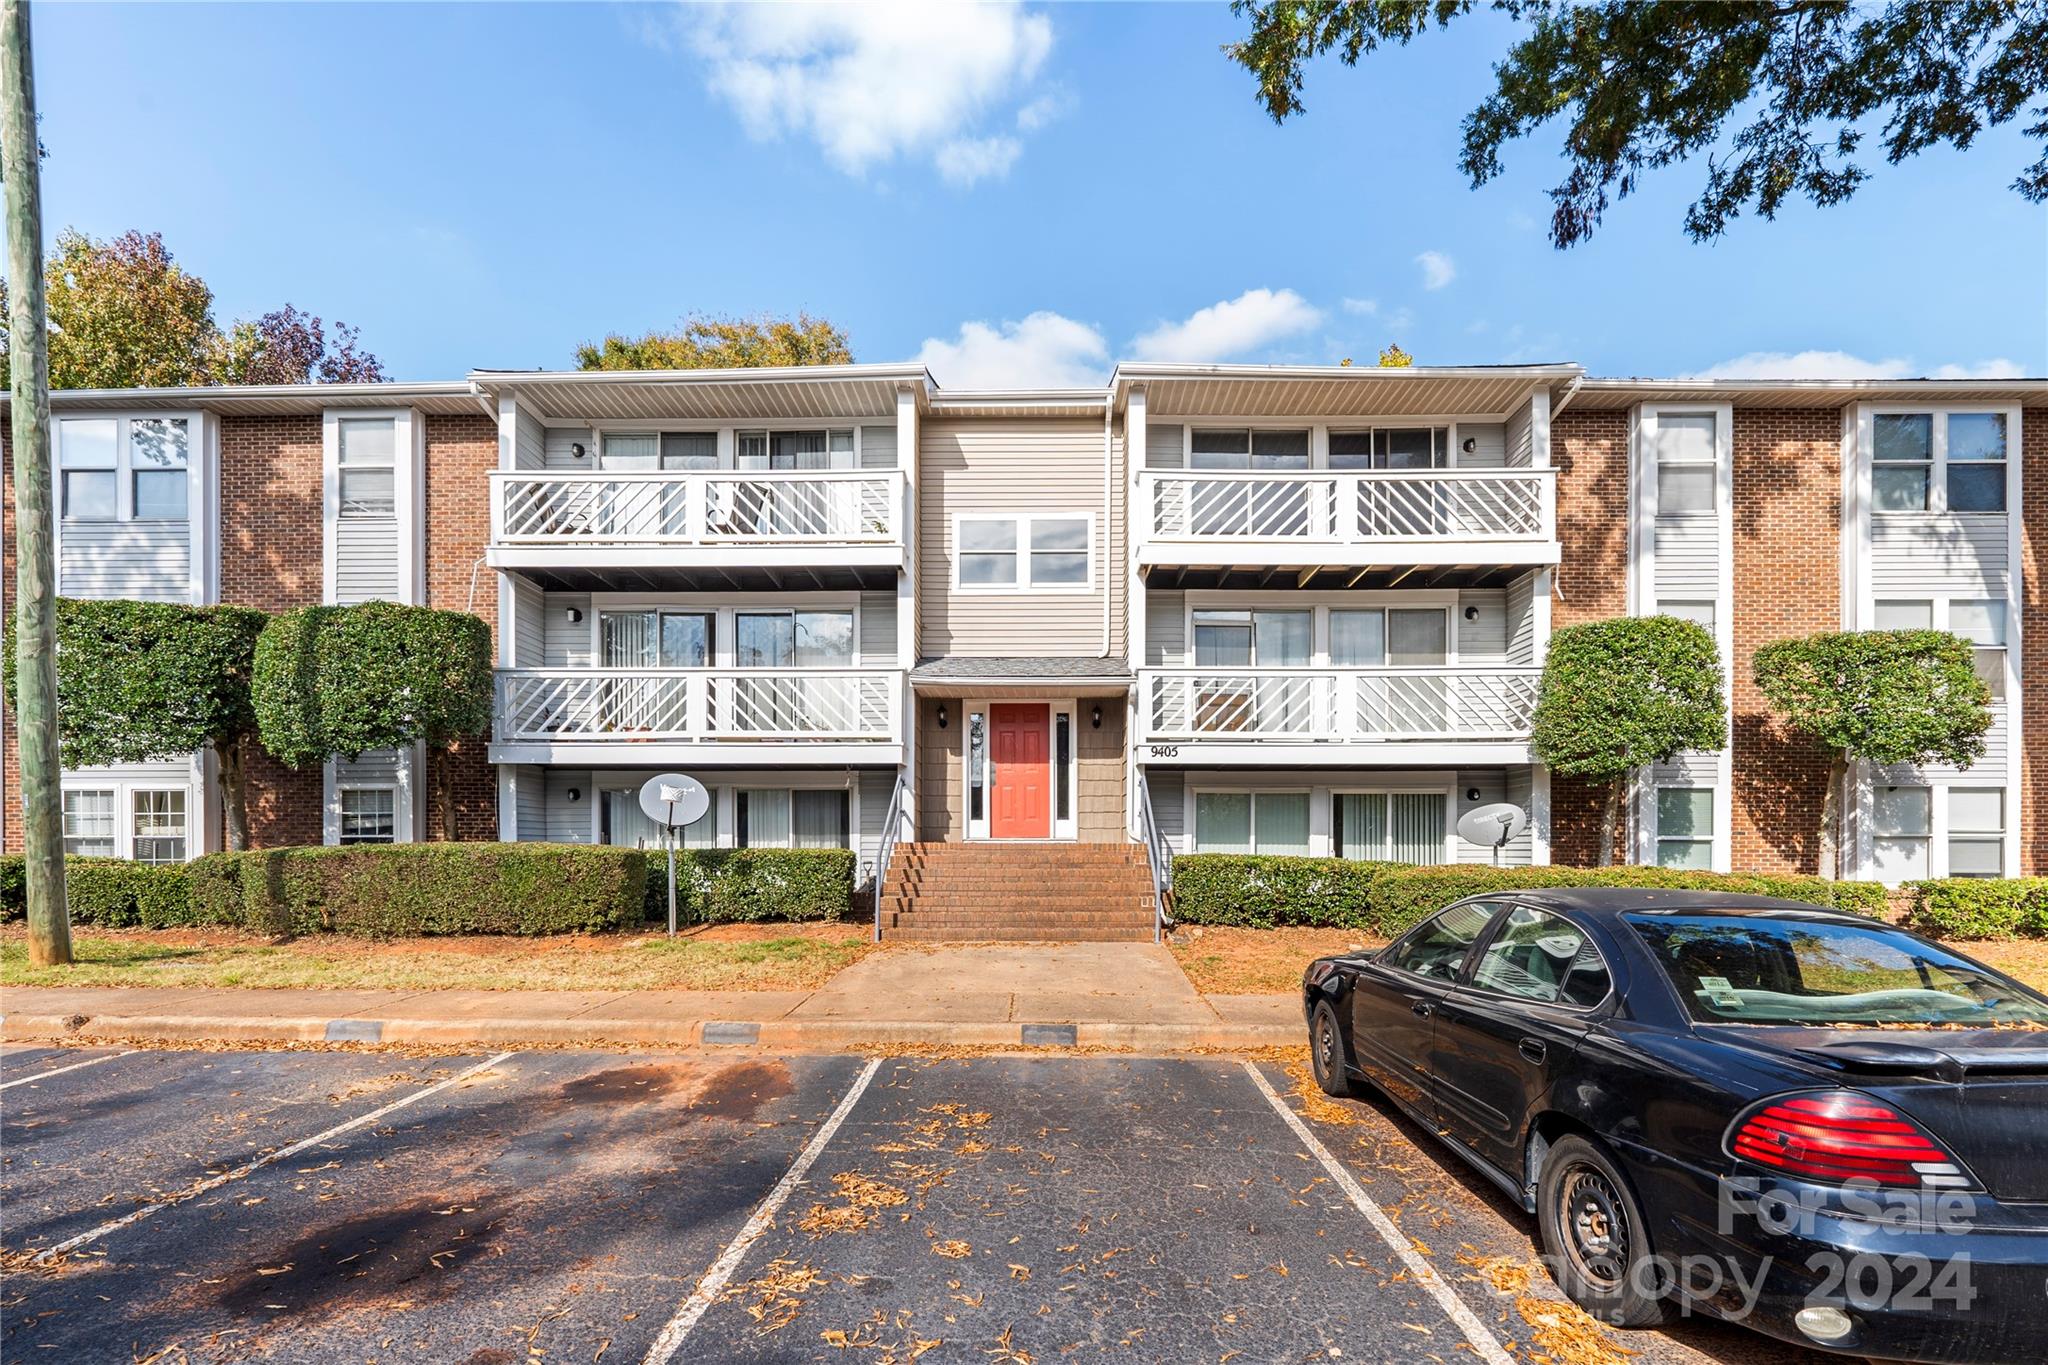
{"x":1980,"y":620}
{"x":89,"y":825}
{"x":1247,"y":448}
{"x":622,"y":823}
{"x":366,"y":452}
{"x":369,"y":815}
{"x":1699,"y":611}
{"x":159,"y":825}
{"x":1042,"y":552}
{"x":1399,"y":827}
{"x":779,"y":817}
{"x":1685,"y":827}
{"x":100,"y":457}
{"x":1684,"y":446}
{"x":1976,"y":832}
{"x":630,"y":451}
{"x":653,"y":638}
{"x":1938,"y":461}
{"x":1391,"y":448}
{"x":1902,"y":825}
{"x":1251,"y":822}
{"x":828,"y":449}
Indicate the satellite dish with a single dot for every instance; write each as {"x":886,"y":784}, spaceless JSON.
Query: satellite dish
{"x":674,"y":799}
{"x":1492,"y":825}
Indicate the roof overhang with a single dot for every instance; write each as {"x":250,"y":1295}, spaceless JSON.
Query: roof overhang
{"x":1079,"y":403}
{"x":793,"y":393}
{"x":275,"y":400}
{"x":1610,"y":394}
{"x":1266,"y":391}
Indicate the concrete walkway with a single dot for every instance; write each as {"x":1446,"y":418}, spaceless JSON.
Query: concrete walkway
{"x":1109,"y":995}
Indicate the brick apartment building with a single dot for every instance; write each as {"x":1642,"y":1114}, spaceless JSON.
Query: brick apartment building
{"x":1229,"y":607}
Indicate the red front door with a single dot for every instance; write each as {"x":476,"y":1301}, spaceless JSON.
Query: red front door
{"x":1020,"y":738}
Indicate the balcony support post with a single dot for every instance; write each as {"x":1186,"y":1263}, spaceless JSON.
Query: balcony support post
{"x":1137,"y":521}
{"x":905,"y":514}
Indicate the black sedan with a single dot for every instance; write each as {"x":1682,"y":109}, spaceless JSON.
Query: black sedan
{"x":1818,"y":1124}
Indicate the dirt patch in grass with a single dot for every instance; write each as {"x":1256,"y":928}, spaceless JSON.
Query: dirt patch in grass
{"x":714,"y":957}
{"x":1224,"y":961}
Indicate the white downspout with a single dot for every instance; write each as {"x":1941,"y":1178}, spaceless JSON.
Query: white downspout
{"x":1110,"y":563}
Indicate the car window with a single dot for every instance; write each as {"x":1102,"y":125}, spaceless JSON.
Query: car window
{"x":1539,"y":956}
{"x":1438,"y":948}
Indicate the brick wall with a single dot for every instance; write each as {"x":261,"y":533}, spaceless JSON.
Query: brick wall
{"x":1787,"y":536}
{"x":2033,"y":812}
{"x":461,"y":450}
{"x":1590,"y":450}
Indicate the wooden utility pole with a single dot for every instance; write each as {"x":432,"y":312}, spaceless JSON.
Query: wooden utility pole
{"x":35,"y":572}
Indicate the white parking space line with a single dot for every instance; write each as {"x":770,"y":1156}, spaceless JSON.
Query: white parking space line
{"x":215,"y":1182}
{"x":1483,"y":1341}
{"x":58,"y":1071}
{"x":713,"y":1284}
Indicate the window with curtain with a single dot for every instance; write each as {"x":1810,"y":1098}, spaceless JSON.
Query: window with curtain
{"x":626,"y":825}
{"x":368,"y":474}
{"x":1404,"y":827}
{"x":89,"y":823}
{"x":1976,"y":832}
{"x":831,"y":449}
{"x":1252,"y":822}
{"x":1684,"y":447}
{"x":776,"y":817}
{"x":1685,"y":827}
{"x":369,"y":815}
{"x":159,"y":826}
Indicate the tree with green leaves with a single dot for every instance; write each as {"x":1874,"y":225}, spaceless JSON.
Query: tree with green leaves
{"x":1622,"y":694}
{"x":1778,"y":95}
{"x":717,"y":343}
{"x":379,"y":675}
{"x":139,"y":682}
{"x":1883,"y":696}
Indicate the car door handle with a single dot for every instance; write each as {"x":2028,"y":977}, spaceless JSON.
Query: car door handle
{"x":1533,"y":1049}
{"x":1421,"y":1007}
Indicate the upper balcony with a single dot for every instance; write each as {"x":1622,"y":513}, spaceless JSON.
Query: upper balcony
{"x":578,"y":520}
{"x":1311,"y":519}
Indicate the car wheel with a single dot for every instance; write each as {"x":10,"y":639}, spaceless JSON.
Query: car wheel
{"x":1596,"y":1235}
{"x":1326,"y":1053}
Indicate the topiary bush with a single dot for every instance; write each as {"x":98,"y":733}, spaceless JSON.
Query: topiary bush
{"x":746,"y":885}
{"x":108,"y":893}
{"x":1265,"y":892}
{"x":1979,"y":908}
{"x":1405,"y":896}
{"x":392,"y":890}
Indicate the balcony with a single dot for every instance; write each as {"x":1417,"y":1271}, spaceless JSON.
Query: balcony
{"x":1333,"y":519}
{"x":1322,"y":716}
{"x":643,"y":716}
{"x":806,"y":519}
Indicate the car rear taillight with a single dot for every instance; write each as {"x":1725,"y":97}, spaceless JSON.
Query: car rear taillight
{"x":1841,"y":1136}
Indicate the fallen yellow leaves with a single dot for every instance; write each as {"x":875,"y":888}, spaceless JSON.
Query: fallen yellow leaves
{"x":1505,"y":1274}
{"x":1565,"y":1334}
{"x":952,"y":1249}
{"x":775,"y":1293}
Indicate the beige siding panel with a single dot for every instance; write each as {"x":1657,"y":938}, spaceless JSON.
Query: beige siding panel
{"x":878,"y":447}
{"x":1099,"y":797}
{"x":968,"y":467}
{"x":1165,"y":445}
{"x":941,"y":811}
{"x":1166,"y":629}
{"x":878,"y":629}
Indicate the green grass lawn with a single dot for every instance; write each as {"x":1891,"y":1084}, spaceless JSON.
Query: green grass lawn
{"x":723,"y":957}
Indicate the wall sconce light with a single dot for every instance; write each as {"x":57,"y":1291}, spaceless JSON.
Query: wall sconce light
{"x":1095,"y":717}
{"x":576,"y":449}
{"x":575,"y":793}
{"x":942,"y":715}
{"x":575,"y":616}
{"x":1471,"y":613}
{"x":1468,"y":445}
{"x":1471,"y":793}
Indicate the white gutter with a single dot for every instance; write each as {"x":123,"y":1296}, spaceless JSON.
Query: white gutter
{"x":1571,"y":392}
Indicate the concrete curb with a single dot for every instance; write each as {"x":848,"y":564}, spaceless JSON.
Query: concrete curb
{"x":779,"y":1035}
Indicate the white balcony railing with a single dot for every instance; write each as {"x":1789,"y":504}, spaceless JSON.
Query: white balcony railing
{"x":683,"y":705}
{"x":1366,"y":507}
{"x":1365,"y":705}
{"x":799,"y":507}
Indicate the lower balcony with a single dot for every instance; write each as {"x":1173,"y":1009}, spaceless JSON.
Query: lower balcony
{"x":1324,"y":716}
{"x":699,"y":715}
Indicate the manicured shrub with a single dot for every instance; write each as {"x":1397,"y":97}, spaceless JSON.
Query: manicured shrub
{"x":107,"y":893}
{"x":13,"y":887}
{"x":388,"y":890}
{"x":1977,"y":908}
{"x":1405,"y":896}
{"x":734,"y":885}
{"x":1264,"y":892}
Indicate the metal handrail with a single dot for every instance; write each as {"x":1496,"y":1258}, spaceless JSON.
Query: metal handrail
{"x":1158,"y":856}
{"x":891,"y":822}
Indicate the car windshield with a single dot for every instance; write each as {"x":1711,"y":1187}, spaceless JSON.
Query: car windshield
{"x":1747,"y":969}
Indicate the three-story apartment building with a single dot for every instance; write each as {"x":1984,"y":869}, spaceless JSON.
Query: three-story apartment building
{"x":1204,"y":608}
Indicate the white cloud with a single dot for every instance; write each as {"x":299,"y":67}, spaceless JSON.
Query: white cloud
{"x":1361,"y":308}
{"x":1438,"y":269}
{"x":1255,"y":318}
{"x":870,"y":82}
{"x":1843,"y":365}
{"x":966,"y":160}
{"x":1045,"y":350}
{"x":1044,"y":110}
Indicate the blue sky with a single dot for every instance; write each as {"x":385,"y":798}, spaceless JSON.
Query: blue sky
{"x":1018,"y":195}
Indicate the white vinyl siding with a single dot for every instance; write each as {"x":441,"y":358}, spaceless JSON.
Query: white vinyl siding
{"x":529,"y":442}
{"x":1489,"y":445}
{"x":365,"y":560}
{"x":1521,"y":610}
{"x":560,"y":453}
{"x":150,"y":561}
{"x":125,"y":552}
{"x":878,"y":630}
{"x":878,"y":447}
{"x":1165,"y":445}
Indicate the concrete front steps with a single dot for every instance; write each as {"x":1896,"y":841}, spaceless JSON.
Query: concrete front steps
{"x":1016,"y":892}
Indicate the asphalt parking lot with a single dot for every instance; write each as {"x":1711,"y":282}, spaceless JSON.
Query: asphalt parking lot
{"x":491,"y":1209}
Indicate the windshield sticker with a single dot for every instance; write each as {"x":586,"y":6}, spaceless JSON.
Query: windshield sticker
{"x":1719,"y":993}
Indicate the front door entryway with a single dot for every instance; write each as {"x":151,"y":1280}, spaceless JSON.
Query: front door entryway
{"x":1020,"y":743}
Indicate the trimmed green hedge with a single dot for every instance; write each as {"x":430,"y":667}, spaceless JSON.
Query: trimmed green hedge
{"x":1386,"y":898}
{"x":108,"y":893}
{"x":732,"y":885}
{"x":1264,"y":892}
{"x":390,"y":890}
{"x":1975,"y":908}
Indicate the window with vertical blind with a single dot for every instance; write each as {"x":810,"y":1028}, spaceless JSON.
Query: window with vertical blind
{"x":1400,"y":827}
{"x":831,"y":449}
{"x":625,"y":824}
{"x":655,"y":639}
{"x":1252,"y":822}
